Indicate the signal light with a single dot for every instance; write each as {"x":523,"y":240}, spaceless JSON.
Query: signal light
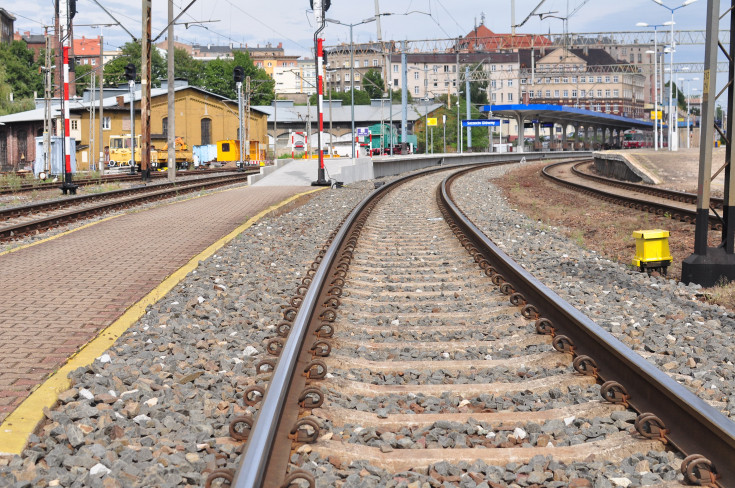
{"x":130,"y":72}
{"x":239,"y":74}
{"x":324,"y":58}
{"x":72,"y":8}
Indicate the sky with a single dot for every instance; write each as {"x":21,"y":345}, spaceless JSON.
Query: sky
{"x":292,"y":22}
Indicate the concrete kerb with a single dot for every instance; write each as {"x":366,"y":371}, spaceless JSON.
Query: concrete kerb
{"x":23,"y":421}
{"x":266,"y":170}
{"x":630,"y":162}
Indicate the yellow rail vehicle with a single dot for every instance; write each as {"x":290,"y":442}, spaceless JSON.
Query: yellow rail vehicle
{"x":229,"y":151}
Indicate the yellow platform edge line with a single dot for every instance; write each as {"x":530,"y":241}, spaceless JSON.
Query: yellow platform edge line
{"x":22,"y":422}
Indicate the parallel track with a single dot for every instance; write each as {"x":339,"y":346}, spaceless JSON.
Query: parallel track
{"x":113,"y":178}
{"x":19,"y":221}
{"x":395,"y":309}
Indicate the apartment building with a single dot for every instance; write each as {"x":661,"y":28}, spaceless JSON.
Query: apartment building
{"x":365,"y":56}
{"x":585,"y":78}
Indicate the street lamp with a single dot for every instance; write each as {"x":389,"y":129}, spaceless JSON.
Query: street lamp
{"x":673,"y":143}
{"x":352,"y":71}
{"x":655,"y":78}
{"x":686,"y":94}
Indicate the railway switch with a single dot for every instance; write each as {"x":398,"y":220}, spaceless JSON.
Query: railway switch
{"x":652,"y":250}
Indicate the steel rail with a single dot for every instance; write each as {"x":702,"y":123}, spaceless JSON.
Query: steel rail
{"x":646,"y":205}
{"x":694,"y":426}
{"x":31,"y":208}
{"x":254,"y":469}
{"x":16,"y":230}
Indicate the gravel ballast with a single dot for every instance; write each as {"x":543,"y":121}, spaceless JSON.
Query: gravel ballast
{"x":155,"y":410}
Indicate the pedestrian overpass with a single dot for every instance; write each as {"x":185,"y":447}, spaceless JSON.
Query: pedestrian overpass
{"x":587,"y":123}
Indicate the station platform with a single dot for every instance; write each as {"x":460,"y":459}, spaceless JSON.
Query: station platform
{"x":60,"y":293}
{"x":675,"y":170}
{"x":301,"y":172}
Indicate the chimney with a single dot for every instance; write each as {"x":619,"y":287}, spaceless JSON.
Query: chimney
{"x":280,"y":45}
{"x":120,"y":100}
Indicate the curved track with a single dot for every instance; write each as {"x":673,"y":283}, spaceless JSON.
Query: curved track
{"x":19,"y":221}
{"x":677,"y":205}
{"x":410,"y":306}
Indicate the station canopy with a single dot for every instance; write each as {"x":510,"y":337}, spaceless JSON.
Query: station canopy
{"x":560,"y":114}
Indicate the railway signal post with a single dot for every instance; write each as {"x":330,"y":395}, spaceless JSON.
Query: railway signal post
{"x":320,"y":8}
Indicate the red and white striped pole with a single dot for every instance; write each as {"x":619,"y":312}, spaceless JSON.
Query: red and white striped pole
{"x":320,"y":102}
{"x":66,"y":148}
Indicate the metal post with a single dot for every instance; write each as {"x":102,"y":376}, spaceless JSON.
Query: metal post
{"x":247,"y":119}
{"x":102,"y":104}
{"x":444,"y":128}
{"x":67,"y":185}
{"x":240,"y":132}
{"x":391,"y":122}
{"x":131,"y":86}
{"x":404,"y":94}
{"x":47,"y":122}
{"x":352,"y":90}
{"x":655,"y":88}
{"x":468,"y":106}
{"x":318,"y":58}
{"x":673,"y":143}
{"x":145,"y":95}
{"x":275,"y":127}
{"x":171,"y":117}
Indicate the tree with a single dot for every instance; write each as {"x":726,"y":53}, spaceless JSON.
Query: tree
{"x":16,"y":105}
{"x":187,"y":68}
{"x":373,"y":83}
{"x":131,"y":53}
{"x":361,"y":97}
{"x":83,"y":77}
{"x":21,"y":71}
{"x":478,"y":89}
{"x":218,"y":78}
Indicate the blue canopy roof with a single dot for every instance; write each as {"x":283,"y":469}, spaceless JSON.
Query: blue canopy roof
{"x":560,"y":113}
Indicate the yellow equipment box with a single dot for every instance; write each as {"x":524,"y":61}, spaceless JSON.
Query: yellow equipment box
{"x":652,"y":250}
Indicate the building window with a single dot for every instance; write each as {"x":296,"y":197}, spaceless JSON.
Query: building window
{"x":616,"y":93}
{"x":607,"y":79}
{"x":615,"y":108}
{"x":548,"y":93}
{"x":640,"y":58}
{"x":574,"y":79}
{"x":106,"y":123}
{"x":565,"y":80}
{"x":164,"y":126}
{"x":616,"y":79}
{"x":446,"y":68}
{"x":523,"y":81}
{"x":583,"y":93}
{"x":510,"y":83}
{"x":556,"y":93}
{"x":347,"y":77}
{"x":395,"y":68}
{"x":538,"y":94}
{"x":206,"y":131}
{"x":435,"y":68}
{"x":415,"y":90}
{"x":632,"y":58}
{"x":74,"y":125}
{"x":583,"y":79}
{"x":492,"y":97}
{"x":599,"y":93}
{"x":599,"y":79}
{"x":375,"y":62}
{"x":510,"y":97}
{"x":395,"y":81}
{"x":607,"y":93}
{"x":574,"y":93}
{"x":357,"y":76}
{"x":566,"y":93}
{"x":416,"y":75}
{"x":365,"y":63}
{"x":556,"y":80}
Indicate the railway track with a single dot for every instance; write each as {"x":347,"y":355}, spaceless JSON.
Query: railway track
{"x":674,"y":204}
{"x":114,"y":178}
{"x":416,"y":351}
{"x":22,"y":220}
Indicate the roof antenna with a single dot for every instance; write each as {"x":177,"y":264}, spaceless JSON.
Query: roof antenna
{"x":482,"y":18}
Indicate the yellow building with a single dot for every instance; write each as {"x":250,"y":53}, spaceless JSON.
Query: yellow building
{"x":202,"y":118}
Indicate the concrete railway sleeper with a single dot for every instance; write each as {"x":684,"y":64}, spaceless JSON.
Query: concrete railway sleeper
{"x":416,"y":350}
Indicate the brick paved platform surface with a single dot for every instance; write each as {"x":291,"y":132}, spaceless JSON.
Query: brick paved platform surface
{"x":58,"y":295}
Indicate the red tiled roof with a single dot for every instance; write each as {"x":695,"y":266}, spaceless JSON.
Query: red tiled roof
{"x":87,"y":47}
{"x":483,"y":39}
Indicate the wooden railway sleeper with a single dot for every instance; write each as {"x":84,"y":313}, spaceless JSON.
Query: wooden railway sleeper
{"x":698,"y":470}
